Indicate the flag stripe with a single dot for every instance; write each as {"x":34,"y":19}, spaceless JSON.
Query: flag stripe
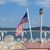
{"x":25,"y":19}
{"x":19,"y":28}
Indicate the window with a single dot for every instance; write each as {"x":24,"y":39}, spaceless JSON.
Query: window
{"x":36,"y":35}
{"x":48,"y":35}
{"x":27,"y":35}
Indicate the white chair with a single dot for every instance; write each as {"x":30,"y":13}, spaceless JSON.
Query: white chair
{"x":37,"y":40}
{"x":18,"y":39}
{"x":25,"y":39}
{"x":45,"y":40}
{"x":34,"y":40}
{"x":49,"y":39}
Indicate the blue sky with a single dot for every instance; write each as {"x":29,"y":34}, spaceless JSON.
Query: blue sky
{"x":12,"y":11}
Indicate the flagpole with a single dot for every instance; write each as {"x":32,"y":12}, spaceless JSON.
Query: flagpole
{"x":29,"y":25}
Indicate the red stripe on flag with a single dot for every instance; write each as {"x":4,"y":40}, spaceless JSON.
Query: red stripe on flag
{"x":19,"y":30}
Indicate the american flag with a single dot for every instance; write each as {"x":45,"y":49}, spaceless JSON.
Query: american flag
{"x":19,"y":28}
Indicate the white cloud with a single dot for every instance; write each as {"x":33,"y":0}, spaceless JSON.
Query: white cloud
{"x":34,"y":22}
{"x":2,"y":1}
{"x":45,"y":3}
{"x":6,"y":20}
{"x":19,"y":2}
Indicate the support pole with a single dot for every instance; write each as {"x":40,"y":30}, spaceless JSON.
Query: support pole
{"x":41,"y":29}
{"x":41,"y":12}
{"x":29,"y":25}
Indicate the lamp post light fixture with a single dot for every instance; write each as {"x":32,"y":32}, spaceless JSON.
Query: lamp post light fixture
{"x":41,"y":13}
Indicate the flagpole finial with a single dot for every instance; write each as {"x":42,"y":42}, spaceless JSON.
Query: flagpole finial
{"x":27,"y":10}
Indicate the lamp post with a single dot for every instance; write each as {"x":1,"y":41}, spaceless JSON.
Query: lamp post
{"x":41,"y":13}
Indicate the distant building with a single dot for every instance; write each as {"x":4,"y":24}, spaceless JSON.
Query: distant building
{"x":26,"y":35}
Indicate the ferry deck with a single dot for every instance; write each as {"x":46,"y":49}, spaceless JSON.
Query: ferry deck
{"x":8,"y":41}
